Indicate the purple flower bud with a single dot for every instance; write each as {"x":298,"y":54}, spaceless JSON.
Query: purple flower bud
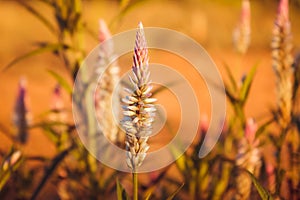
{"x":21,"y":115}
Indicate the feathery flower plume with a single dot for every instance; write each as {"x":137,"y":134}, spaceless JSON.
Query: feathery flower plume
{"x":249,"y":158}
{"x":104,"y":92}
{"x":282,"y":63}
{"x":242,"y":32}
{"x":138,"y":111}
{"x":21,"y":115}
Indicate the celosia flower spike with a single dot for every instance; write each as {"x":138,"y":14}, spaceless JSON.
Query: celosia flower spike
{"x":242,"y":33}
{"x":138,"y":110}
{"x":282,"y":63}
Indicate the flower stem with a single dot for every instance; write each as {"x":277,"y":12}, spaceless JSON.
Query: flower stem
{"x":135,"y":186}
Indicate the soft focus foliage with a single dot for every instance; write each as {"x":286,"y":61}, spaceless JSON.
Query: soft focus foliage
{"x":254,"y":157}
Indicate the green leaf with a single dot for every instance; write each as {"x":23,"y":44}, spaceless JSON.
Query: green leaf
{"x":264,"y":194}
{"x":8,"y":166}
{"x":49,"y":171}
{"x":42,"y":49}
{"x":181,"y":161}
{"x":175,"y":192}
{"x":230,"y":95}
{"x":231,"y":77}
{"x":38,"y":15}
{"x":247,"y":85}
{"x":63,"y":82}
{"x":149,"y":193}
{"x":263,"y":127}
{"x":121,"y":193}
{"x":124,"y":11}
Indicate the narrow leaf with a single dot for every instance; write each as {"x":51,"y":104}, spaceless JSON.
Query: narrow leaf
{"x":263,"y":127}
{"x":231,"y":77}
{"x":121,"y":193}
{"x":264,"y":194}
{"x":43,"y":49}
{"x":124,"y":11}
{"x":247,"y":84}
{"x":55,"y":162}
{"x":38,"y":15}
{"x":63,"y":82}
{"x":175,"y":192}
{"x":149,"y":193}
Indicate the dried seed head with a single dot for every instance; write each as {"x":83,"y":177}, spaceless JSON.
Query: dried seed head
{"x":106,"y":49}
{"x":282,"y":63}
{"x":138,"y":110}
{"x":242,"y":32}
{"x":104,"y":98}
{"x":249,"y":158}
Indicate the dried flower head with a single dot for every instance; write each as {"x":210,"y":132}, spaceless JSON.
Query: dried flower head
{"x":138,"y":111}
{"x":21,"y":115}
{"x":242,"y":32}
{"x":249,"y":158}
{"x":282,"y":63}
{"x":107,"y":86}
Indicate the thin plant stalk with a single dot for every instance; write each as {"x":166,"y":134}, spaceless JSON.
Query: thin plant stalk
{"x":135,"y":186}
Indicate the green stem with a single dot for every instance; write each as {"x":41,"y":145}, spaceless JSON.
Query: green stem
{"x":135,"y":186}
{"x":278,"y":160}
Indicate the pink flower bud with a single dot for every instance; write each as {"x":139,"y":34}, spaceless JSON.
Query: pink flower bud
{"x":246,"y":13}
{"x":250,"y":130}
{"x":104,"y":32}
{"x":106,"y":49}
{"x":283,"y":9}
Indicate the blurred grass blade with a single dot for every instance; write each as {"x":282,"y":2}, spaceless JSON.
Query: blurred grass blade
{"x":149,"y":193}
{"x":10,"y":164}
{"x":263,"y":127}
{"x":43,"y":49}
{"x":38,"y":15}
{"x":247,"y":84}
{"x":129,"y":6}
{"x":230,"y":95}
{"x":121,"y":193}
{"x":263,"y":193}
{"x":49,"y":171}
{"x":124,"y":4}
{"x":175,"y":192}
{"x":231,"y":77}
{"x":181,"y":161}
{"x":63,"y":82}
